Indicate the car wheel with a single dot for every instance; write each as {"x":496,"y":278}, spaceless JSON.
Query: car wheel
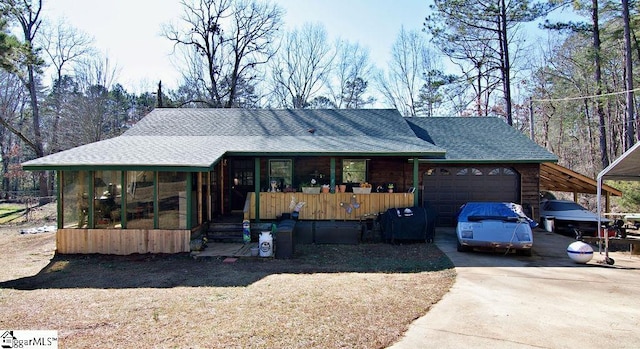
{"x":526,"y":252}
{"x":462,"y":248}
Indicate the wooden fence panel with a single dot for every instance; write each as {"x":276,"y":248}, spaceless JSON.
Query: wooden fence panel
{"x":122,"y":241}
{"x":327,"y":206}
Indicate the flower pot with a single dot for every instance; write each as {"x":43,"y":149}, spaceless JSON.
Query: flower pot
{"x":342,"y":188}
{"x":325,"y":189}
{"x":311,"y":190}
{"x":390,"y":190}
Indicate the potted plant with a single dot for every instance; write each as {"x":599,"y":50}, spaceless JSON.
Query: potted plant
{"x":311,"y":187}
{"x":390,"y":187}
{"x":364,"y":188}
{"x":326,"y":188}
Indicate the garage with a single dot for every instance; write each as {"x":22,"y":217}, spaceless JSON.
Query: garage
{"x":447,"y":188}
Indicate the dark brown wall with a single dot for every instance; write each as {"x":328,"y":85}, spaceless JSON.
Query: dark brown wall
{"x":399,"y":171}
{"x":381,"y":170}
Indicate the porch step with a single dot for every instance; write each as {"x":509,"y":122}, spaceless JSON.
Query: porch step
{"x":225,"y":232}
{"x":232,"y":231}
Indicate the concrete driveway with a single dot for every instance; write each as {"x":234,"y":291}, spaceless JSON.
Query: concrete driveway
{"x":543,"y":301}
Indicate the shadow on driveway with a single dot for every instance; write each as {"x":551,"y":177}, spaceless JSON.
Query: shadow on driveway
{"x":549,"y":250}
{"x":543,"y":301}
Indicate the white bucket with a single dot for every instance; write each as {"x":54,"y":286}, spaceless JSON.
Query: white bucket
{"x":549,"y":223}
{"x":265,"y":243}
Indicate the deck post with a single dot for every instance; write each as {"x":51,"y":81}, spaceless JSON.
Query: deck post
{"x":332,"y":181}
{"x":256,"y":189}
{"x":415,"y":181}
{"x":91,"y":204}
{"x":59,"y":206}
{"x":123,"y":200}
{"x":156,"y":209}
{"x":188,"y":194}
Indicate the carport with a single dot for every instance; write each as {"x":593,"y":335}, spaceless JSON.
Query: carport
{"x":624,"y":168}
{"x":554,"y":177}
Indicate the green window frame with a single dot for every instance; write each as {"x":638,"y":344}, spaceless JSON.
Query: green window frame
{"x":355,"y":170}
{"x":281,"y":171}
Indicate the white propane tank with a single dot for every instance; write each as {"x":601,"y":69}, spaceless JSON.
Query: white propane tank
{"x":580,"y":252}
{"x":265,"y":243}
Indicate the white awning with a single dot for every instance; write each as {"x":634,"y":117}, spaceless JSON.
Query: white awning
{"x":624,"y":168}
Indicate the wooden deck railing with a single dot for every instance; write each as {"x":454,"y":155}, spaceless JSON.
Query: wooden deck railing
{"x":326,"y":206}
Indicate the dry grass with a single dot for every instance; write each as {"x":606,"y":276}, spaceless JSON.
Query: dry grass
{"x":329,"y":296}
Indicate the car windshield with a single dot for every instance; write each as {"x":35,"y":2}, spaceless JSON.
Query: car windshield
{"x":562,"y":206}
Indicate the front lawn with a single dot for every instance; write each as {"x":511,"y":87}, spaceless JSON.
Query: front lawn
{"x":329,"y":296}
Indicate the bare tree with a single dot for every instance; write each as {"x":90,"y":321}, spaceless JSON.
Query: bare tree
{"x":302,"y":66}
{"x":350,"y":77}
{"x":227,"y":41}
{"x":27,"y":14}
{"x":62,"y":45}
{"x":13,"y":99}
{"x":410,"y":69}
{"x":92,"y":113}
{"x":95,"y":70}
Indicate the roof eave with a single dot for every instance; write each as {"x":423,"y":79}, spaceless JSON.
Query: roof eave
{"x":337,"y":153}
{"x":140,"y":167}
{"x":489,"y":161}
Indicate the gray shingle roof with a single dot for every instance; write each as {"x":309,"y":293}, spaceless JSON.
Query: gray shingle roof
{"x":381,"y":123}
{"x":479,"y":139}
{"x":136,"y":151}
{"x":200,"y":137}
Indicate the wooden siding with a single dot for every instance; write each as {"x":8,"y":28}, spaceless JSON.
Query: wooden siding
{"x":530,"y":188}
{"x":122,"y":241}
{"x":326,"y":206}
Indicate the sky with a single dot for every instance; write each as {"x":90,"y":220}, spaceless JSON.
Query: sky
{"x":128,"y":31}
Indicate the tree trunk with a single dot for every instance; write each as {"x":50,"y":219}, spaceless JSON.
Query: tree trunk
{"x":479,"y":99}
{"x":37,"y":141}
{"x":629,"y":76}
{"x":505,"y":64}
{"x":604,"y":156}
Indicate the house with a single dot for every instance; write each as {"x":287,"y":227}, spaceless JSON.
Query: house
{"x":154,"y":187}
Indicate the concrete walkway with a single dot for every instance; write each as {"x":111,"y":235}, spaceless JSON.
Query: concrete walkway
{"x":543,"y":301}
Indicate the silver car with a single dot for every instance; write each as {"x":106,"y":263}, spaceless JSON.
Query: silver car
{"x":494,"y":225}
{"x":568,"y":217}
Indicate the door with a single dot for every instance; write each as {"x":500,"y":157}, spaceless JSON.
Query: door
{"x":448,"y":188}
{"x":241,"y":180}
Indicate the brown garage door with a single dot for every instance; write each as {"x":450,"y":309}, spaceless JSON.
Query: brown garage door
{"x":448,"y":188}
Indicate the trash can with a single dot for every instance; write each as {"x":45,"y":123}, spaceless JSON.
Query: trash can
{"x":549,"y":223}
{"x":284,"y":239}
